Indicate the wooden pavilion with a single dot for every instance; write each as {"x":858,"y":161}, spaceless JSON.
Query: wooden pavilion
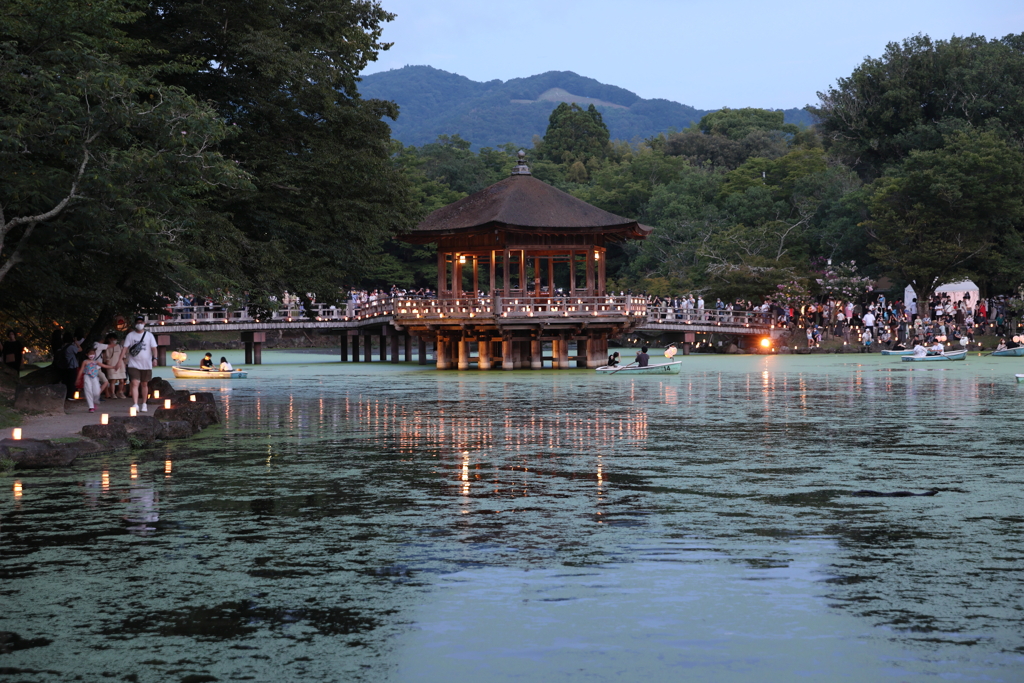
{"x":519,"y":264}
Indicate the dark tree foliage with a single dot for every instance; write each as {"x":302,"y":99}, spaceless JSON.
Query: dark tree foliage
{"x":917,"y":91}
{"x":106,"y":171}
{"x":575,"y":135}
{"x":326,"y":192}
{"x":736,"y":124}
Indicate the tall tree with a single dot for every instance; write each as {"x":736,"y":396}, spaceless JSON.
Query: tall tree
{"x":940,"y":211}
{"x":325,"y":190}
{"x":574,"y":135}
{"x":84,"y":134}
{"x":919,"y":89}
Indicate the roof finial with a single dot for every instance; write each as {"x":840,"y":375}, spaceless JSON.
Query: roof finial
{"x":521,"y":168}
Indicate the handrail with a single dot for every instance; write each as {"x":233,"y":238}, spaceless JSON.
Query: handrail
{"x":558,"y":306}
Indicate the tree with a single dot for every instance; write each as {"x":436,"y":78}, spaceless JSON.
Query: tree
{"x":939,"y":212}
{"x":736,"y":124}
{"x":82,"y":134}
{"x":575,"y":134}
{"x":918,"y":91}
{"x":326,"y":193}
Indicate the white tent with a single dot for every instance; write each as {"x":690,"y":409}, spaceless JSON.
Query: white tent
{"x":956,"y":291}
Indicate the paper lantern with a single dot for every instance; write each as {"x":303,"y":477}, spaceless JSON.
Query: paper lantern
{"x":104,"y":419}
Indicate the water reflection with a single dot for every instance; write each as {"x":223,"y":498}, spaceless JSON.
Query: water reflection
{"x":379,"y":510}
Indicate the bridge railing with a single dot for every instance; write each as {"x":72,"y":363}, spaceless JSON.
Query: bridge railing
{"x":708,"y":316}
{"x":471,"y":307}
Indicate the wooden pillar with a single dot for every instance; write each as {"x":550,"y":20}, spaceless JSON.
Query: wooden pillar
{"x":590,"y":270}
{"x":476,"y":278}
{"x":483,"y":353}
{"x":344,"y":347}
{"x":162,"y":342}
{"x":556,"y":353}
{"x":394,"y":346}
{"x":507,"y":362}
{"x":442,"y":349}
{"x":494,"y":265}
{"x":408,"y":348}
{"x":551,"y":275}
{"x":442,"y":276}
{"x":422,"y":349}
{"x":582,"y":353}
{"x":563,"y":353}
{"x":536,"y":363}
{"x":254,"y":347}
{"x":463,"y":349}
{"x":505,"y":274}
{"x":367,"y":348}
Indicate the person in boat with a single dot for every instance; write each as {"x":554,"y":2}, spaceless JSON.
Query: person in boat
{"x":642,"y":359}
{"x":937,"y":349}
{"x":920,"y":351}
{"x":225,"y":366}
{"x":207,"y":362}
{"x":613,"y":360}
{"x":1002,"y":345}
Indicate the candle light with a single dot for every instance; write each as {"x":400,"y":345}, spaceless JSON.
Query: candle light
{"x":16,"y":433}
{"x":133,"y":411}
{"x":167,"y":404}
{"x":104,"y":419}
{"x":192,"y":398}
{"x":156,"y":393}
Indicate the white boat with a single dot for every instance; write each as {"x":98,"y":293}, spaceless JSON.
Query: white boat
{"x":949,"y":355}
{"x":197,"y":373}
{"x":1019,"y":351}
{"x":897,"y":352}
{"x":1020,"y":378}
{"x":653,"y":369}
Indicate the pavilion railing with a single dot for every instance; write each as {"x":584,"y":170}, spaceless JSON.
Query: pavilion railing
{"x":523,"y":307}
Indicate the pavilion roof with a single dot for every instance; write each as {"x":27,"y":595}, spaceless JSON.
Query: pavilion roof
{"x":521,"y":203}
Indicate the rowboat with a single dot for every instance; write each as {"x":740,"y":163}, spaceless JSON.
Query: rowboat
{"x":195,"y":373}
{"x":659,"y":369}
{"x":951,"y":355}
{"x":1020,"y":378}
{"x":1019,"y":351}
{"x":897,"y":352}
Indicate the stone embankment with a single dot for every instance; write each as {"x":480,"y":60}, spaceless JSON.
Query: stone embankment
{"x":69,"y":438}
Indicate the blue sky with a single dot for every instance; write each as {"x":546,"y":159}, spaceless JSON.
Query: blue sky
{"x":706,"y":54}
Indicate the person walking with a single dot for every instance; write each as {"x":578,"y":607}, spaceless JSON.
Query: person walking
{"x":92,"y":379}
{"x":139,"y":354}
{"x":111,"y":359}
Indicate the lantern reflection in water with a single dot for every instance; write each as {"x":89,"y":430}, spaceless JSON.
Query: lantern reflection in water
{"x":105,"y":481}
{"x":135,"y":471}
{"x":167,"y":468}
{"x":17,"y":490}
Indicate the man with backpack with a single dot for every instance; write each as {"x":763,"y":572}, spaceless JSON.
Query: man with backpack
{"x":140,"y":354}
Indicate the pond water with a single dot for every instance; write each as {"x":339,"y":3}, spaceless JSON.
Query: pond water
{"x":392,"y":522}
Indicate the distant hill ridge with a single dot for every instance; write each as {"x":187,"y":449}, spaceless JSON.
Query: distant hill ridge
{"x":435,"y":102}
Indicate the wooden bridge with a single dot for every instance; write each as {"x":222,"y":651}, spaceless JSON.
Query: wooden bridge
{"x":509,"y":331}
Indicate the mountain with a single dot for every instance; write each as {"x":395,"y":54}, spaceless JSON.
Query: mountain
{"x":435,"y":102}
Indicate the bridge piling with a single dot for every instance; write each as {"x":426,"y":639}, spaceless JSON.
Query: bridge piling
{"x":394,"y":347}
{"x":344,"y":347}
{"x":367,"y":348}
{"x":422,"y":349}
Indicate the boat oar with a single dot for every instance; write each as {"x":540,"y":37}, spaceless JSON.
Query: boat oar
{"x":622,"y":368}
